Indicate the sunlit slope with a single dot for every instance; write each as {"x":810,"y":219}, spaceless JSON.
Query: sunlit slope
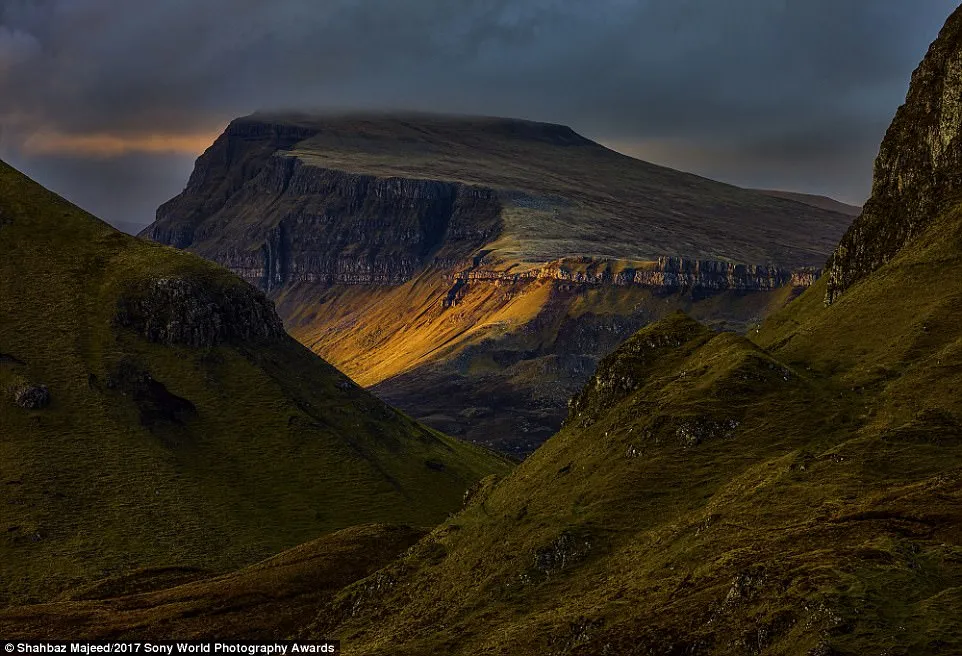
{"x":184,"y":426}
{"x":508,"y":357}
{"x":711,"y":496}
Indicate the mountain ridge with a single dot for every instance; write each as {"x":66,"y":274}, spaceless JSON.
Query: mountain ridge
{"x":816,"y":200}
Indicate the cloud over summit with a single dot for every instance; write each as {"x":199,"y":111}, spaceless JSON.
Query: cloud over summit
{"x":792,"y":89}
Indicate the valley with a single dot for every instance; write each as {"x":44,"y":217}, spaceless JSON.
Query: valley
{"x":569,"y":404}
{"x":492,"y":260}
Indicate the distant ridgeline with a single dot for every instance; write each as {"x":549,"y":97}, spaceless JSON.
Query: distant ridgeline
{"x":440,"y":249}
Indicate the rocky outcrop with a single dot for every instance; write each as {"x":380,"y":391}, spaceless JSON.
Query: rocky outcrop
{"x":192,"y":312}
{"x":916,"y":172}
{"x":31,"y":397}
{"x":332,"y":227}
{"x":238,"y":154}
{"x":667,"y":273}
{"x":627,"y":369}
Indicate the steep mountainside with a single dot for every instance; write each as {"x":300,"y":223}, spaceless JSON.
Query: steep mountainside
{"x":495,"y":260}
{"x":796,"y":493}
{"x":154,"y":413}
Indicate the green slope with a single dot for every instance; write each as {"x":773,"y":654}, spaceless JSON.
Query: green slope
{"x":712,"y":496}
{"x":265,"y":601}
{"x":184,"y":426}
{"x":797,"y":492}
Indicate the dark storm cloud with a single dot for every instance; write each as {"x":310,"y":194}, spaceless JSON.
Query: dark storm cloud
{"x":789,"y":93}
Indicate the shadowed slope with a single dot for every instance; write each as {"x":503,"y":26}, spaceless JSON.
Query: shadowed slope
{"x":266,"y":601}
{"x":154,"y":413}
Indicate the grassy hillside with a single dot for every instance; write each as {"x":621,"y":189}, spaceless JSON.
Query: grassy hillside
{"x":796,"y":494}
{"x":183,"y":426}
{"x":266,"y":601}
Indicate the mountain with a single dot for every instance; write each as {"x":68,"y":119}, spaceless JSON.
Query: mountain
{"x":823,"y":202}
{"x":798,"y":492}
{"x":154,"y":413}
{"x":474,"y":270}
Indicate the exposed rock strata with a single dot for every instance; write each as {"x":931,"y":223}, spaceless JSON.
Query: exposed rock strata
{"x":336,"y":227}
{"x":668,"y":273}
{"x":239,"y":153}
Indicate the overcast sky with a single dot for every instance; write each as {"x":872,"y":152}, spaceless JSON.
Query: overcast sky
{"x":108,"y":102}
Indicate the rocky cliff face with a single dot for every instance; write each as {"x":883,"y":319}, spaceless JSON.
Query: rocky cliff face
{"x":916,"y":173}
{"x":666,"y":273}
{"x":190,"y":312}
{"x":275,"y":217}
{"x":238,"y":154}
{"x":328,"y":226}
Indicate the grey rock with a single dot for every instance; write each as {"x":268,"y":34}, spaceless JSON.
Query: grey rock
{"x":31,"y":397}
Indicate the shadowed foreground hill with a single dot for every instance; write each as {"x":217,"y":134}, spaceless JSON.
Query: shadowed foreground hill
{"x":154,"y":413}
{"x":266,"y":601}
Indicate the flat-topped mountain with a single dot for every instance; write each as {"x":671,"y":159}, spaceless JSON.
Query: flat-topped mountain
{"x":493,"y":259}
{"x":154,"y":414}
{"x":553,"y":193}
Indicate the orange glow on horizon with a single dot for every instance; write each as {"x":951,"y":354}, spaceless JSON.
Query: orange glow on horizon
{"x":113,"y":145}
